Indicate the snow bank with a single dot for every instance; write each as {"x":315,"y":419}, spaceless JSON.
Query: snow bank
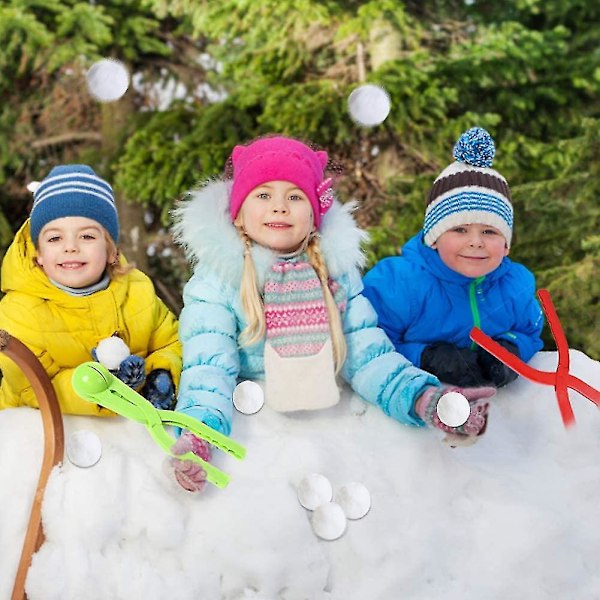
{"x":514,"y":516}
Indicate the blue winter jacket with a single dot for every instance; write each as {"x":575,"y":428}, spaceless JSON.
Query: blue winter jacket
{"x":212,"y":318}
{"x":419,"y":301}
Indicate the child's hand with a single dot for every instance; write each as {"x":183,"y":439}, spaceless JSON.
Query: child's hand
{"x":190,"y":475}
{"x":478,"y":399}
{"x":132,"y":371}
{"x":159,"y":389}
{"x":493,"y":369}
{"x":451,"y":364}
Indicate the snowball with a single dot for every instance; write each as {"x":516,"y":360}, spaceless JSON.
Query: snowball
{"x":314,"y":490}
{"x":108,"y":80}
{"x":84,"y":448}
{"x":111,"y":351}
{"x":369,"y":105}
{"x":248,"y":397}
{"x":329,"y":521}
{"x":355,"y":500}
{"x":453,"y":409}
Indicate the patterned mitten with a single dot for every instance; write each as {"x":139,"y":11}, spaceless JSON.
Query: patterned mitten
{"x":132,"y":371}
{"x":159,"y":389}
{"x":478,"y":399}
{"x":190,"y":475}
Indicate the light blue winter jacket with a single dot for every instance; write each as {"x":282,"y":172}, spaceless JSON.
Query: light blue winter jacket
{"x":212,"y":318}
{"x":420,"y":301}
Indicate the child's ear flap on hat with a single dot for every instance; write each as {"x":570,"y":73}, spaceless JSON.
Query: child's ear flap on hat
{"x":322,"y":158}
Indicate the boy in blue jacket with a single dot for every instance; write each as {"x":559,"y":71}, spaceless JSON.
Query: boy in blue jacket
{"x":455,"y":274}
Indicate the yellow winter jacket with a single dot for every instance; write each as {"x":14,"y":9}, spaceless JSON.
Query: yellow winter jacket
{"x":61,"y":329}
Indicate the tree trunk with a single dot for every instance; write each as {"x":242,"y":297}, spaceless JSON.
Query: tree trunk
{"x":115,"y":123}
{"x":385,"y":44}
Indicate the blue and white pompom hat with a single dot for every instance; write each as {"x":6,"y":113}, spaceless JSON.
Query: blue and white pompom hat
{"x":469,"y":190}
{"x":73,"y":191}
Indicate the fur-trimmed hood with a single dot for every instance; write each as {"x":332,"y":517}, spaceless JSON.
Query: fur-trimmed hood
{"x":213,"y":315}
{"x":202,"y":225}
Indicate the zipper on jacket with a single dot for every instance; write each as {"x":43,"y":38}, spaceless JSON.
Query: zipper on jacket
{"x":474,"y":308}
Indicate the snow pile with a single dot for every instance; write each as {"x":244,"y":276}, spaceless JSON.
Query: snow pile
{"x":513,"y":516}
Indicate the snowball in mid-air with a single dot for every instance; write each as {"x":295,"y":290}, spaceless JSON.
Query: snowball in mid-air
{"x":84,"y":448}
{"x":355,"y":500}
{"x":369,"y":105}
{"x":329,"y":521}
{"x":453,"y":409}
{"x":314,"y":490}
{"x":248,"y":397}
{"x":111,"y":352}
{"x":108,"y":80}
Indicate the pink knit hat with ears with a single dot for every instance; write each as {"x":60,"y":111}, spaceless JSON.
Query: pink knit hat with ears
{"x":280,"y":159}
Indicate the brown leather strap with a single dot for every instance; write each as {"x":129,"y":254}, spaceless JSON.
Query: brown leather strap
{"x":54,"y":443}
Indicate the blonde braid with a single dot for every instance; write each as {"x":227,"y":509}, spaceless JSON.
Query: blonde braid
{"x":315,"y":257}
{"x":250,"y":297}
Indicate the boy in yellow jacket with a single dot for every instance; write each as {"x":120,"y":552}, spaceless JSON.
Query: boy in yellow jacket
{"x":67,"y":289}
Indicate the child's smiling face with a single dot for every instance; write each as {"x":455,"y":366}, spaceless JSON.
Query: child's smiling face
{"x":472,"y":250}
{"x":73,"y":251}
{"x":278,"y":215}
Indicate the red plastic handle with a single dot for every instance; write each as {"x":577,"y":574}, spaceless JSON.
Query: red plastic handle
{"x":561,"y":379}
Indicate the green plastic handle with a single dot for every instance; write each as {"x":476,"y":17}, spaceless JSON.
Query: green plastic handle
{"x":95,"y":383}
{"x":221,"y":441}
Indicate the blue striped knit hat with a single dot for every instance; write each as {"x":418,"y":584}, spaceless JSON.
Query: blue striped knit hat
{"x":469,"y":190}
{"x":74,"y":191}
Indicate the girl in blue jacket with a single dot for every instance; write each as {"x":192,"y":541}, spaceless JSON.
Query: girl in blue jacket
{"x":276,"y":295}
{"x":455,"y":274}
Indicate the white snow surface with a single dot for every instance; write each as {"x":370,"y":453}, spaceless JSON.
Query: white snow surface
{"x":516,"y":515}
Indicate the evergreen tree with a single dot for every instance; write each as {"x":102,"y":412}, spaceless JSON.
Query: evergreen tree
{"x":567,"y":255}
{"x":527,"y":70}
{"x":48,"y":116}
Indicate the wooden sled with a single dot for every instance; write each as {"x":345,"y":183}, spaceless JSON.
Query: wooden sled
{"x":54,"y":444}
